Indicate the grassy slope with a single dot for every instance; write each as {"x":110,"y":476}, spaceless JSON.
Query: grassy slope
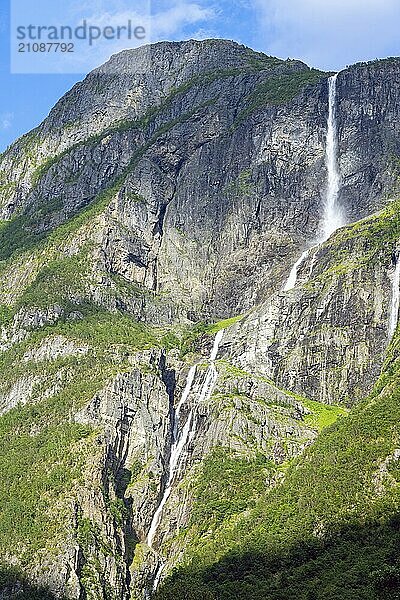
{"x":262,"y":544}
{"x":43,"y":450}
{"x":24,"y":230}
{"x":330,"y":531}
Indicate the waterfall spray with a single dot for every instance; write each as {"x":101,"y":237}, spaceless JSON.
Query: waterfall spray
{"x":333,"y":217}
{"x":395,"y":304}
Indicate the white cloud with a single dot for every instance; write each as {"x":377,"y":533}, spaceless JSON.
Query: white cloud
{"x":330,"y":33}
{"x":165,"y":23}
{"x":171,"y":22}
{"x":6,"y":120}
{"x":161,"y":19}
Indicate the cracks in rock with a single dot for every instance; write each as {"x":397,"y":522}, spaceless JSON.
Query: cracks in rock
{"x":79,"y":558}
{"x":258,"y":211}
{"x":168,"y":377}
{"x":159,"y":226}
{"x":117,"y":477}
{"x":158,"y":234}
{"x":136,"y":260}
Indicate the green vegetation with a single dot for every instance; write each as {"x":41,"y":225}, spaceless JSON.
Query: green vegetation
{"x":15,"y":587}
{"x":90,"y":537}
{"x":107,"y":331}
{"x":202,"y":80}
{"x":6,"y":315}
{"x":22,"y":232}
{"x":38,"y":462}
{"x":43,"y":449}
{"x":112,"y":338}
{"x":322,"y":415}
{"x":362,"y":244}
{"x":5,"y":185}
{"x":59,"y":282}
{"x":279,"y":89}
{"x":283,"y":87}
{"x":227,"y":484}
{"x":329,"y":531}
{"x":260,"y":62}
{"x":379,"y":230}
{"x":242,"y":186}
{"x":378,"y":62}
{"x":357,"y":562}
{"x":224,"y":324}
{"x":323,"y":527}
{"x":228,"y":370}
{"x":191,"y":337}
{"x":14,"y":235}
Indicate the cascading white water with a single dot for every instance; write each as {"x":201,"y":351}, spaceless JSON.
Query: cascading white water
{"x":395,"y":305}
{"x":181,"y":438}
{"x":211,"y":374}
{"x":209,"y":381}
{"x":291,"y":282}
{"x":184,"y":397}
{"x":177,"y":447}
{"x":333,"y":217}
{"x":217,"y":343}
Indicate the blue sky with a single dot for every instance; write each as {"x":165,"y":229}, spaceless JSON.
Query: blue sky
{"x":328,"y":34}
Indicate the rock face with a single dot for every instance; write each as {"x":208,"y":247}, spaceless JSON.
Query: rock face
{"x":327,"y":338}
{"x":178,"y":184}
{"x":221,"y":159}
{"x":369,"y":135}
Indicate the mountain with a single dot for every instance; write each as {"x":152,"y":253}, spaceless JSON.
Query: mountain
{"x":187,"y":409}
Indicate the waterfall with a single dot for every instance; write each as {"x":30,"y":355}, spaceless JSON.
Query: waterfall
{"x":158,"y":576}
{"x":178,"y":444}
{"x":333,"y":216}
{"x":217,"y":343}
{"x":395,"y":305}
{"x":179,"y":441}
{"x":181,"y":438}
{"x":291,"y":282}
{"x":211,"y":374}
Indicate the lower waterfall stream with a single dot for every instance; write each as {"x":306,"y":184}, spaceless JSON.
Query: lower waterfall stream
{"x":182,"y":436}
{"x":395,"y":304}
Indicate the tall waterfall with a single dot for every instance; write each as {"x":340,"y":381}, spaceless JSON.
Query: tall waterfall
{"x":182,"y":436}
{"x":333,"y":216}
{"x":395,"y":305}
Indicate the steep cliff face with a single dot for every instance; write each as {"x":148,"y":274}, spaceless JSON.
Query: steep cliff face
{"x":215,"y":165}
{"x":168,"y":217}
{"x":369,"y":135}
{"x":327,"y":338}
{"x":174,"y":187}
